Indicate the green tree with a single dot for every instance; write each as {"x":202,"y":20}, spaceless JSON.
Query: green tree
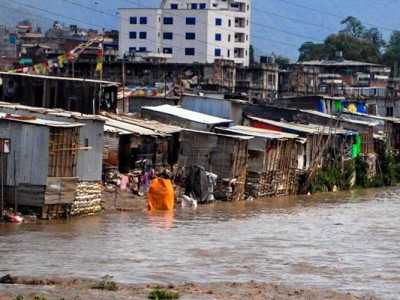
{"x":353,"y":48}
{"x":311,"y":51}
{"x":353,"y":26}
{"x":375,"y":37}
{"x":391,"y":57}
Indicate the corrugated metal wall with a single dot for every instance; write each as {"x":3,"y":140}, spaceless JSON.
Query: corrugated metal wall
{"x":30,"y":144}
{"x":89,"y":163}
{"x":214,"y":107}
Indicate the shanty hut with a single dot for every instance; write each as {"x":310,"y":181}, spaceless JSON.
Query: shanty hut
{"x":72,"y":94}
{"x":272,"y":164}
{"x":39,"y":163}
{"x":323,"y":143}
{"x":214,"y":106}
{"x":88,"y":157}
{"x":222,"y":154}
{"x":184,"y":118}
{"x":167,"y":137}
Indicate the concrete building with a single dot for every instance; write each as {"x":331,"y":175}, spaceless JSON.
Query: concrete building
{"x":339,"y":77}
{"x":190,"y":30}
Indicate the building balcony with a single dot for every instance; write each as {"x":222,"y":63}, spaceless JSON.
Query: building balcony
{"x":238,"y":53}
{"x":240,"y":22}
{"x":239,"y":37}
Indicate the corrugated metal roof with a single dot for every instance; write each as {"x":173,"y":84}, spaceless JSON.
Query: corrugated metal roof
{"x":337,"y":63}
{"x":133,"y":129}
{"x":41,"y":122}
{"x":54,"y":111}
{"x":108,"y":128}
{"x":149,"y":124}
{"x":392,"y":119}
{"x":266,"y":135}
{"x":61,"y":78}
{"x":317,"y":113}
{"x":239,"y":137}
{"x":187,"y":114}
{"x":262,"y":131}
{"x":309,"y":128}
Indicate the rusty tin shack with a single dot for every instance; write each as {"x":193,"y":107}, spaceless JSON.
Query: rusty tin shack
{"x":222,"y":154}
{"x":272,"y":164}
{"x":88,"y":155}
{"x":39,"y":163}
{"x":184,"y":118}
{"x":323,"y":143}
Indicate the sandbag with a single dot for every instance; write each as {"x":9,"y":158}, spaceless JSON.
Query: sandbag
{"x":161,"y":195}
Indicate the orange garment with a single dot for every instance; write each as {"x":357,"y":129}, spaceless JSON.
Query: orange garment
{"x":161,"y":194}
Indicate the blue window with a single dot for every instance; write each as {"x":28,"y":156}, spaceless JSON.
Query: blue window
{"x":218,"y":22}
{"x":132,"y":35}
{"x":168,"y":35}
{"x":229,"y":53}
{"x":143,"y":20}
{"x":229,"y":37}
{"x":142,"y":35}
{"x":189,"y":51}
{"x":202,"y":6}
{"x":229,"y":22}
{"x":167,"y":50}
{"x":190,"y":35}
{"x":142,"y":49}
{"x":168,"y":21}
{"x":194,"y":6}
{"x":235,"y":5}
{"x":12,"y":39}
{"x":133,"y":20}
{"x":190,"y":21}
{"x":132,"y":49}
{"x":174,"y":6}
{"x":217,"y":52}
{"x":217,"y":36}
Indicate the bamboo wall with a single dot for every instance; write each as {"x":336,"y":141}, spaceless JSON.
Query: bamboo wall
{"x":223,"y":155}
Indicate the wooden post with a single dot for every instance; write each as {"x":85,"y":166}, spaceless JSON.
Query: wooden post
{"x":123,"y":86}
{"x":15,"y":184}
{"x":2,"y":178}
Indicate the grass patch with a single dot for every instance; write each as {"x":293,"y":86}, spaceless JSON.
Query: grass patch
{"x":107,"y":283}
{"x":158,"y":294}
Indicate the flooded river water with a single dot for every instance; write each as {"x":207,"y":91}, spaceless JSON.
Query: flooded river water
{"x":348,"y":242}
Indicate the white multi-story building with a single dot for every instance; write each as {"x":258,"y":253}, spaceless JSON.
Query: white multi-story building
{"x":191,"y":30}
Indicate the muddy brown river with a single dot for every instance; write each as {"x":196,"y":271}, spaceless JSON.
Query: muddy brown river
{"x":347,"y":242}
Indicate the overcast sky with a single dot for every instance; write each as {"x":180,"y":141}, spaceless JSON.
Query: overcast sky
{"x":278,"y":26}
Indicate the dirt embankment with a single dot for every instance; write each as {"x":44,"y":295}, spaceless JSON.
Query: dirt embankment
{"x":57,"y":288}
{"x":122,"y":200}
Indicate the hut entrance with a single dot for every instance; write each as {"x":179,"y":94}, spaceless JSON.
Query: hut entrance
{"x":61,"y":180}
{"x":63,"y":148}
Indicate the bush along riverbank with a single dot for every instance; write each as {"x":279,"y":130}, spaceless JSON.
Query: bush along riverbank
{"x":356,"y":173}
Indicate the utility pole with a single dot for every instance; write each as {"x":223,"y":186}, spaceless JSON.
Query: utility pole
{"x":2,"y":178}
{"x":15,"y":185}
{"x":123,"y":85}
{"x":165,"y":79}
{"x":297,"y":89}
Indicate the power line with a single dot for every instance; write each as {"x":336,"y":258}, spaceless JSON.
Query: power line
{"x":333,"y":15}
{"x":127,"y":34}
{"x":222,"y":14}
{"x":50,"y":12}
{"x":296,"y":20}
{"x":152,"y":27}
